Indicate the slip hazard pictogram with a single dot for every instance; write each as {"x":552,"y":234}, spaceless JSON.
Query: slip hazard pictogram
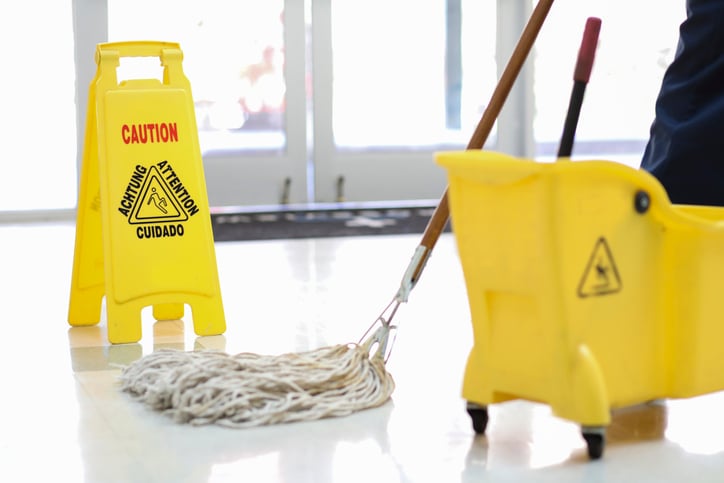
{"x":601,"y":276}
{"x":155,"y":194}
{"x":157,"y":202}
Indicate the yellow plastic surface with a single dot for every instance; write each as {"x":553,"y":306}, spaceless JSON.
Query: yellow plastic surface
{"x":143,"y":231}
{"x":577,"y":299}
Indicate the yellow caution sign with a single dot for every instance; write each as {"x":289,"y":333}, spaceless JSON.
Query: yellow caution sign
{"x":143,"y":228}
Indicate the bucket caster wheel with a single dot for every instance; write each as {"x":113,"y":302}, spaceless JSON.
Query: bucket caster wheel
{"x":479,"y":416}
{"x":595,"y":437}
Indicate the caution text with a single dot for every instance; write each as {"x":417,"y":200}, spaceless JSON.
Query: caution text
{"x":152,"y":132}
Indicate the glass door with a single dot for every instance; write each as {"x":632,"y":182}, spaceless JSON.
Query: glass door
{"x":246,"y":64}
{"x":356,"y":116}
{"x":393,"y":83}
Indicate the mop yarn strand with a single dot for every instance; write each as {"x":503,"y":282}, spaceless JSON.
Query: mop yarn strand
{"x":246,"y":390}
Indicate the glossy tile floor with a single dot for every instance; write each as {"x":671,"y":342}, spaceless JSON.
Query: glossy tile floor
{"x":64,"y":418}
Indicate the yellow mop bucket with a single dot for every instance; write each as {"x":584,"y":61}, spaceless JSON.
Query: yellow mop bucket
{"x":588,"y":289}
{"x":143,"y":231}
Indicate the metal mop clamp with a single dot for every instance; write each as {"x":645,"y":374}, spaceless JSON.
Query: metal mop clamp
{"x":440,"y":216}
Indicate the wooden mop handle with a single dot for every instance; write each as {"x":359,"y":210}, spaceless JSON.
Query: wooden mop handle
{"x":440,"y":216}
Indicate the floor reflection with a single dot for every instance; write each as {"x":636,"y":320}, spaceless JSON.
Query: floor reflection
{"x":526,"y":434}
{"x":315,"y":452}
{"x":697,"y":424}
{"x":640,"y":423}
{"x":91,"y":351}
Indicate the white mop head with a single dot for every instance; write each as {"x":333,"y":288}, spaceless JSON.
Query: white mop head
{"x":245,"y":390}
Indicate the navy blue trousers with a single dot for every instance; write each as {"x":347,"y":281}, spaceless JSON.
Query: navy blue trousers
{"x":685,"y":150}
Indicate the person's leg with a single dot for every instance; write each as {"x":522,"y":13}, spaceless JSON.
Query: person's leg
{"x":686,"y":147}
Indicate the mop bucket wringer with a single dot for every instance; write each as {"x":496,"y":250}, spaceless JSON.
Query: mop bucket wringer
{"x":588,"y":289}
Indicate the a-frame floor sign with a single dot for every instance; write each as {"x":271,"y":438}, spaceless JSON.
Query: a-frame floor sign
{"x":143,"y":229}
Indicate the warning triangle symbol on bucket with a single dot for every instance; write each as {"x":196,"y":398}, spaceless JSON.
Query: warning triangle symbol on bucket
{"x":601,"y":276}
{"x":157,"y":202}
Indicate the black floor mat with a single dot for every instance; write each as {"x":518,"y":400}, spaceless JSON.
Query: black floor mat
{"x":321,"y":220}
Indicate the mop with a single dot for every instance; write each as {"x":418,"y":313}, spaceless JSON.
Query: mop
{"x":246,"y":390}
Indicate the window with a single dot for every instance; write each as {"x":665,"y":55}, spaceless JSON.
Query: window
{"x":403,"y":69}
{"x":38,"y":108}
